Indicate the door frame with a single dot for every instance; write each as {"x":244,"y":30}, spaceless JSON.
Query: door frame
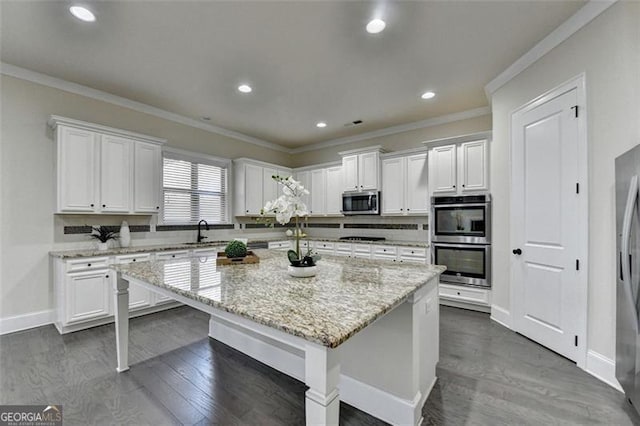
{"x":579,"y":84}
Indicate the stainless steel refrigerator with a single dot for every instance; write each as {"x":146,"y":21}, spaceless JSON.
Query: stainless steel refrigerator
{"x":628,"y":274}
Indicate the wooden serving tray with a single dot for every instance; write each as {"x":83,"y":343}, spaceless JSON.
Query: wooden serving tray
{"x":251,"y":257}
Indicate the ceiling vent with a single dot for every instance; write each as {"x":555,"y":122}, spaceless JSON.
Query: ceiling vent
{"x":353,"y":123}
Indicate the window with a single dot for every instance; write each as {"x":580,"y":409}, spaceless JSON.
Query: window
{"x":194,"y":189}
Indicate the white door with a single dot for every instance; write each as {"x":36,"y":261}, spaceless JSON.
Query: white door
{"x":443,"y":169}
{"x":368,"y":165}
{"x":115,"y":174}
{"x":473,"y":167}
{"x":147,"y":176}
{"x":393,"y":178}
{"x":318,"y":183}
{"x":253,"y":189}
{"x":333,"y":190}
{"x":77,"y":170}
{"x":417,"y":198}
{"x":546,"y":298}
{"x":350,"y":172}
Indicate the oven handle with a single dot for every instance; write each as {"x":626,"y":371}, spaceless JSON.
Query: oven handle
{"x":446,"y":245}
{"x":435,"y":206}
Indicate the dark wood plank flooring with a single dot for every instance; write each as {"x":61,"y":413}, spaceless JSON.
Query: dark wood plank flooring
{"x":488,"y":375}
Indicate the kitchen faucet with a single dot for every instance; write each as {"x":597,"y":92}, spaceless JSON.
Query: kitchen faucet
{"x":200,"y":236}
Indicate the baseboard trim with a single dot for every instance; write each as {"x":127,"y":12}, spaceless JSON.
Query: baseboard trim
{"x":26,"y":321}
{"x":603,"y":368}
{"x":501,"y":316}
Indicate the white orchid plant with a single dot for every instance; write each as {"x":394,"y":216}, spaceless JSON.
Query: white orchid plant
{"x":287,"y":206}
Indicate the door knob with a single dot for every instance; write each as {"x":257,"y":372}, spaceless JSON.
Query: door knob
{"x":517,"y":252}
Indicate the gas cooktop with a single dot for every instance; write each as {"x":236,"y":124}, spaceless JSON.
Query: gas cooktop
{"x":363,"y":238}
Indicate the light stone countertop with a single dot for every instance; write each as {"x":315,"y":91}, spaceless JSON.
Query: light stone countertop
{"x":116,"y":251}
{"x":344,"y":297}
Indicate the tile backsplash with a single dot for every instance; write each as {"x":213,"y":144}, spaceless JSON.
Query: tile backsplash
{"x":71,"y":231}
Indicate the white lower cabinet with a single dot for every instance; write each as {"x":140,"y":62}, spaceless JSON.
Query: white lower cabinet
{"x":281,"y":245}
{"x":87,"y":295}
{"x":83,"y":289}
{"x":139,"y":297}
{"x":368,"y":251}
{"x":468,"y":297}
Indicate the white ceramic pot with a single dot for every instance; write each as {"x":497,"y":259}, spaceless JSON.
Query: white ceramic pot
{"x":302,"y":271}
{"x":103,"y":246}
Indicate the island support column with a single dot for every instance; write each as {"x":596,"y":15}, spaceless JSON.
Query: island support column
{"x":322,"y":375}
{"x":121,"y":298}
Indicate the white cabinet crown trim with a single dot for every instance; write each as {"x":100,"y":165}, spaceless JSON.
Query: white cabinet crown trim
{"x":56,"y":120}
{"x":488,"y":135}
{"x":377,"y":148}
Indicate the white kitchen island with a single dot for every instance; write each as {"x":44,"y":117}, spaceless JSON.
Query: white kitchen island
{"x":361,"y":331}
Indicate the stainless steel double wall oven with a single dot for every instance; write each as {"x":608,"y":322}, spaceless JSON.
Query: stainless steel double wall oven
{"x":461,"y":238}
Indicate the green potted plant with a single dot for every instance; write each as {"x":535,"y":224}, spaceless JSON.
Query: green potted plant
{"x":236,"y":250}
{"x":103,"y":235}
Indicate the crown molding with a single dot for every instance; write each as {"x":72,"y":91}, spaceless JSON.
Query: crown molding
{"x":430,"y":122}
{"x":56,"y":120}
{"x":78,"y":89}
{"x":569,"y":27}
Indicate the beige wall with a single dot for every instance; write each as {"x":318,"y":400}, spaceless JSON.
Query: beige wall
{"x":397,"y":142}
{"x":608,"y":51}
{"x":27,"y":224}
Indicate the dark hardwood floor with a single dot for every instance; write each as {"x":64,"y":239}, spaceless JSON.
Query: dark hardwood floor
{"x":488,"y":375}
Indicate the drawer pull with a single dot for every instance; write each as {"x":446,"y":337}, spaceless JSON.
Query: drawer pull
{"x":133,"y":260}
{"x":88,"y":264}
{"x":458,"y":293}
{"x":107,"y":276}
{"x":173,"y":255}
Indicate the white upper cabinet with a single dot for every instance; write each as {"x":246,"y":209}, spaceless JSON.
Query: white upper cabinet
{"x":115,"y":174}
{"x":361,"y":172}
{"x":105,"y":170}
{"x":304,"y":177}
{"x":325,"y":187}
{"x":76,"y":170}
{"x":318,"y":195}
{"x":350,"y":172}
{"x":393,"y":189}
{"x":456,"y":169}
{"x":368,"y":170}
{"x":443,"y":169}
{"x":254,"y":185}
{"x":417,"y":197}
{"x":473,"y":166}
{"x":333,"y":191}
{"x":147,"y":177}
{"x":404,"y":185}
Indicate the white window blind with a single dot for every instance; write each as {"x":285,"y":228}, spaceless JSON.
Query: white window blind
{"x":193,"y":190}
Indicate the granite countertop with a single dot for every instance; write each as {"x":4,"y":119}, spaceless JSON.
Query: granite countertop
{"x":94,"y":252}
{"x":344,"y":297}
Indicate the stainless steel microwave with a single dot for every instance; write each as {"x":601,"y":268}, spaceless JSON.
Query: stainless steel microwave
{"x":367,"y":202}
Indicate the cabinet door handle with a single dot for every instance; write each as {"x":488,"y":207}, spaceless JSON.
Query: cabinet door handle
{"x":408,"y":209}
{"x":157,"y":207}
{"x":463,"y":185}
{"x":454,"y":186}
{"x":104,"y":205}
{"x":107,"y":276}
{"x":88,"y":264}
{"x":133,"y":260}
{"x":247,"y":211}
{"x":92,"y":204}
{"x":173,"y":255}
{"x":401,"y":209}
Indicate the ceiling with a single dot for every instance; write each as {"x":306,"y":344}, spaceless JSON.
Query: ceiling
{"x":306,"y":61}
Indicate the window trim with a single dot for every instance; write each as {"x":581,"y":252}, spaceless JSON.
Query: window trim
{"x":196,"y":157}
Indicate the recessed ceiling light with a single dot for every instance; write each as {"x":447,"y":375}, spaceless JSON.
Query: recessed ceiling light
{"x":375,"y":26}
{"x":245,"y":88}
{"x":428,"y":95}
{"x":321,"y":124}
{"x":82,"y":13}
